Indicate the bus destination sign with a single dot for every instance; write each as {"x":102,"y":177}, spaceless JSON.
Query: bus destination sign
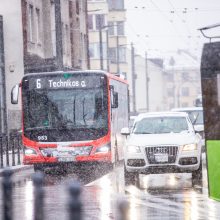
{"x":55,"y":82}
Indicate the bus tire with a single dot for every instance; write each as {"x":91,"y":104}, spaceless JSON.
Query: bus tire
{"x":38,"y":168}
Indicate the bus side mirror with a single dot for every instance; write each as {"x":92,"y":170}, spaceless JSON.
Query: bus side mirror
{"x":115,"y":100}
{"x":14,"y":94}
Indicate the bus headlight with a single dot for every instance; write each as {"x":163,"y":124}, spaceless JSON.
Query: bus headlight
{"x":133,"y":149}
{"x":103,"y":149}
{"x":85,"y":150}
{"x":190,"y":147}
{"x":29,"y":151}
{"x":49,"y":152}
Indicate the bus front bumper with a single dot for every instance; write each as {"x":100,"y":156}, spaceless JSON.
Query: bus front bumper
{"x":35,"y":159}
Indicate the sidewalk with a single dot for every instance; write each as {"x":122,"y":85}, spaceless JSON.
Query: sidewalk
{"x":17,"y":167}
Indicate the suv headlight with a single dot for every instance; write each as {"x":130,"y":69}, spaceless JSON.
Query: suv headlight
{"x":190,"y":147}
{"x":133,"y":149}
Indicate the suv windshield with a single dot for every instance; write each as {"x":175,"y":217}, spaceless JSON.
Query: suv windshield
{"x":160,"y":125}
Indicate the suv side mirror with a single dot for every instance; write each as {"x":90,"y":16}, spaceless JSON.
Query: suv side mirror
{"x":14,"y":94}
{"x":199,"y":128}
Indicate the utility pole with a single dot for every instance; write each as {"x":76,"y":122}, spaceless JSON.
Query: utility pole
{"x":3,"y":105}
{"x":107,"y":51}
{"x":147,"y":83}
{"x":133,"y":78}
{"x":117,"y":48}
{"x":100,"y":42}
{"x":59,"y":43}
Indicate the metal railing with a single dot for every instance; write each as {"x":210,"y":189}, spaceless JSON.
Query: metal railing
{"x":74,"y":205}
{"x":11,"y":150}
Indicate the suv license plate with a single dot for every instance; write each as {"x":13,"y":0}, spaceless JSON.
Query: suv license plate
{"x":161,"y":157}
{"x":66,"y":159}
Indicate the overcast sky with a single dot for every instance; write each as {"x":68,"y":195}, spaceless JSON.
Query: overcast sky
{"x":162,"y":26}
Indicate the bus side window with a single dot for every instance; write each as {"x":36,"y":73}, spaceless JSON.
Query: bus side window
{"x":114,"y":98}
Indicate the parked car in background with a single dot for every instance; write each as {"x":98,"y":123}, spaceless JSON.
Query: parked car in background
{"x":163,"y":142}
{"x":196,"y":117}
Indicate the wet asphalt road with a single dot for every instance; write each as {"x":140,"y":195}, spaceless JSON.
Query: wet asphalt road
{"x":165,"y":196}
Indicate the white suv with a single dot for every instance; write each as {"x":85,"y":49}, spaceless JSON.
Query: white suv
{"x":162,"y":143}
{"x":196,"y":117}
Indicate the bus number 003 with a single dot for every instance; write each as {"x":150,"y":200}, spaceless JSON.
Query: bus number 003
{"x":42,"y":138}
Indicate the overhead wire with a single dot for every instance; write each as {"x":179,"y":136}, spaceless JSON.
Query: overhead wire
{"x":181,"y":19}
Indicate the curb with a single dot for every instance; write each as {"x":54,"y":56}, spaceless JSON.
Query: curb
{"x":16,"y":169}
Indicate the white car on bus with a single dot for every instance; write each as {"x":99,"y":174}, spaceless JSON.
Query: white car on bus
{"x":163,"y":142}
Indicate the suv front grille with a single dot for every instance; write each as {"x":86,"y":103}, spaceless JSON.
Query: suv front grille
{"x":166,"y":153}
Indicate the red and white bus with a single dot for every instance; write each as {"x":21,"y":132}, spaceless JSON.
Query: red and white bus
{"x":72,"y":117}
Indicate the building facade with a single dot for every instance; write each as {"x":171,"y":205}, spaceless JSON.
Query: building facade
{"x":146,"y":83}
{"x":182,"y":80}
{"x":37,"y":36}
{"x":107,"y":39}
{"x":11,"y":62}
{"x":55,"y":35}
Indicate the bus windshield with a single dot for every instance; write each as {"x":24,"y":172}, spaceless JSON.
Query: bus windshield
{"x":80,"y":114}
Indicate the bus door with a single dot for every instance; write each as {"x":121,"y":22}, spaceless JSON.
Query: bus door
{"x":210,"y":78}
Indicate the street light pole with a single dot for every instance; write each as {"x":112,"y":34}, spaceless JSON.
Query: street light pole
{"x":100,"y":41}
{"x":133,"y":78}
{"x":147,"y":83}
{"x":117,"y":48}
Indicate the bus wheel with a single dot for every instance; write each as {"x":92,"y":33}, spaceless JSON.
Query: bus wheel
{"x":131,"y":178}
{"x":38,"y":167}
{"x":197,"y":176}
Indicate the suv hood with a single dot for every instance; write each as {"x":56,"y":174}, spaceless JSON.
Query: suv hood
{"x":161,"y":139}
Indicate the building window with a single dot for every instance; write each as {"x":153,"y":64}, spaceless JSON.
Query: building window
{"x":185,"y":76}
{"x":38,"y":25}
{"x":94,"y":51}
{"x":122,"y":54}
{"x":120,"y":28}
{"x":170,"y":77}
{"x":77,"y":7}
{"x":112,"y":55}
{"x":31,"y":22}
{"x":116,"y":4}
{"x":170,"y":92}
{"x":185,"y":91}
{"x":111,"y":28}
{"x":100,"y":21}
{"x":90,"y":22}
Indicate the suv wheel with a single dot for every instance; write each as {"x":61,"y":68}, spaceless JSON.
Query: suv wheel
{"x":131,"y":178}
{"x":197,"y":176}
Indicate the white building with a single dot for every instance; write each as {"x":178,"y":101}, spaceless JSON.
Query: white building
{"x":182,"y":79}
{"x":13,"y":66}
{"x":148,"y":84}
